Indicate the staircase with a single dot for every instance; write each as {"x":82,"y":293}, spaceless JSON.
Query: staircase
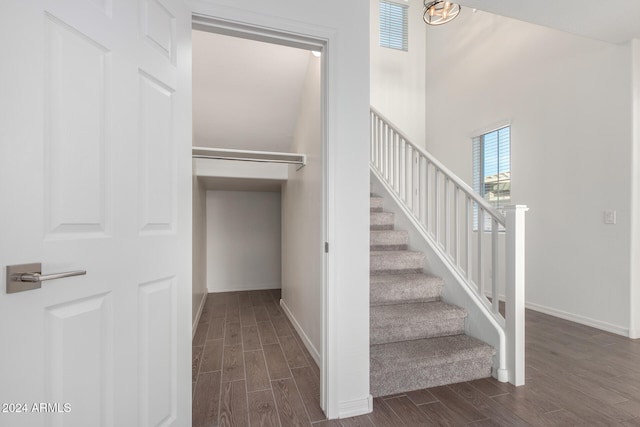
{"x":417,"y":340}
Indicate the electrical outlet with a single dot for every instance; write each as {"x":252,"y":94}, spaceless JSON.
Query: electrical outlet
{"x":609,"y":216}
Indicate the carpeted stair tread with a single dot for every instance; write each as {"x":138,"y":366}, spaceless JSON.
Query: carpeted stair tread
{"x":396,"y":288}
{"x":382,"y":220}
{"x":412,"y":365}
{"x":382,"y":240}
{"x":401,"y":322}
{"x":393,"y":262}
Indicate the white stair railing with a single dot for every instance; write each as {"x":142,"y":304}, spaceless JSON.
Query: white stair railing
{"x":482,"y":247}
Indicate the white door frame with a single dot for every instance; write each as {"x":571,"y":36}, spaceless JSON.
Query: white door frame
{"x":319,"y":40}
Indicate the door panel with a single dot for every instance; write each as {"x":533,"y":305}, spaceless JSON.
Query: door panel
{"x":157,"y":157}
{"x":95,"y":167}
{"x":79,"y":339}
{"x":76,"y":106}
{"x":157,"y":359}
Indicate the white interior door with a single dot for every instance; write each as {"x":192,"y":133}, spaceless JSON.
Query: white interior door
{"x":95,"y":143}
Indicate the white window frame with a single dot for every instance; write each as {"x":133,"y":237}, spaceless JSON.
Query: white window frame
{"x":478,"y":162}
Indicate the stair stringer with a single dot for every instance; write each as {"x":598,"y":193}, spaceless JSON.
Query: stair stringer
{"x":480,"y":322}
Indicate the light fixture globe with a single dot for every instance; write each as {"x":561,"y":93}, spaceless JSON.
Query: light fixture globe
{"x":439,"y":12}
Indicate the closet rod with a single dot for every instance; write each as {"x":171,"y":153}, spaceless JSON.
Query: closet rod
{"x":249,"y":156}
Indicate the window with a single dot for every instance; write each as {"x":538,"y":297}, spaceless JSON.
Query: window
{"x":492,"y":168}
{"x":393,"y":25}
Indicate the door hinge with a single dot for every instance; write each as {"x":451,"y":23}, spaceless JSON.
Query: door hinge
{"x":326,"y":247}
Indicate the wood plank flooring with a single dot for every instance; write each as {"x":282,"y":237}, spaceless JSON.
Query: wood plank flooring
{"x":251,"y":369}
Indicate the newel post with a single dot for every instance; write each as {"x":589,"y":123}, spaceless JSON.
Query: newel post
{"x":514,"y":315}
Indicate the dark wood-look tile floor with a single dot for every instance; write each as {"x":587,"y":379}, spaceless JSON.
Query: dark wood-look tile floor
{"x":251,"y":369}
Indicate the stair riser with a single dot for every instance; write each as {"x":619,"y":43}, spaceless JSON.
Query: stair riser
{"x":376,"y":204}
{"x":396,"y":262}
{"x":381,"y":220}
{"x":383,"y":333}
{"x":388,"y":247}
{"x":380,"y":294}
{"x":384,"y":383}
{"x":381,"y":227}
{"x":387,"y":240}
{"x":399,"y":289}
{"x":378,"y":301}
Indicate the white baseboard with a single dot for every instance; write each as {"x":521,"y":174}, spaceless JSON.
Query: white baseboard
{"x":353,"y":408}
{"x":258,"y":287}
{"x":198,"y":314}
{"x":634,"y":333}
{"x":305,"y":339}
{"x":608,"y":327}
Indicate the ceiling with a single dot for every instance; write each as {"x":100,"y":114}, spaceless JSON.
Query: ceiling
{"x":246,"y":93}
{"x":613,"y":21}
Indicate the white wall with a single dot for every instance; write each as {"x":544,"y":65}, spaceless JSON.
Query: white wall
{"x":634,"y":297}
{"x":243,"y":240}
{"x":199,"y":249}
{"x":568,"y":102}
{"x":235,"y":81}
{"x":302,"y":239}
{"x":345,"y":27}
{"x":397,"y":77}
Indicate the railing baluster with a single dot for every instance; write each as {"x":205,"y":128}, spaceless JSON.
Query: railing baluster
{"x":427,"y":192}
{"x":381,"y":138}
{"x":372,"y":145}
{"x":403,"y":170}
{"x":436,"y":203}
{"x":495,"y":295}
{"x":394,"y":159}
{"x":423,"y":190}
{"x":447,"y":218}
{"x":403,"y":161}
{"x":385,"y":133}
{"x":399,"y":168}
{"x":480,"y":252}
{"x":371,"y":139}
{"x":375,"y":142}
{"x":407,"y":176}
{"x":468,"y":234}
{"x":392,"y":166}
{"x":412,"y":193}
{"x":377,"y":161}
{"x":417,"y":188}
{"x":456,"y":226}
{"x":387,"y":141}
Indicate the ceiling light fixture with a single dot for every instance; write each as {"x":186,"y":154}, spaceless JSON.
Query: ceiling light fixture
{"x":439,"y":12}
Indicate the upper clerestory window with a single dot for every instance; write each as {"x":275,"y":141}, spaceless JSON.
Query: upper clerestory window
{"x":393,"y":25}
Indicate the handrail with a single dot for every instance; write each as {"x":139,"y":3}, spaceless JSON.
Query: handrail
{"x":456,"y":179}
{"x":464,"y":229}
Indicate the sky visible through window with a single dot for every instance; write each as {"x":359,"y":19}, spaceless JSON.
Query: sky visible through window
{"x":497,"y":156}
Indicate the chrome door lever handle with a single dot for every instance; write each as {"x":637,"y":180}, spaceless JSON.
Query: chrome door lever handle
{"x":25,"y":277}
{"x":38,"y":277}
